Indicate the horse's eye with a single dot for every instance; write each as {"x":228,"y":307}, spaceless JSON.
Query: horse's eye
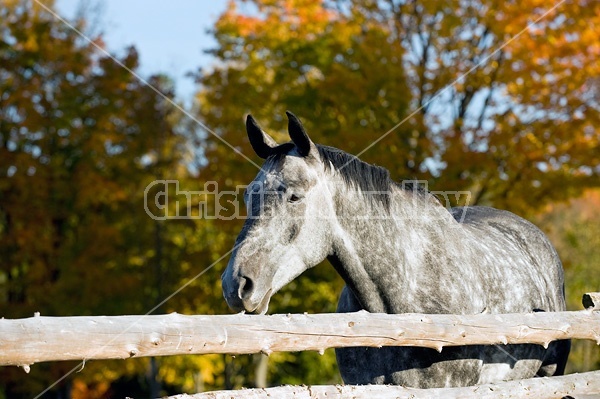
{"x":294,"y":198}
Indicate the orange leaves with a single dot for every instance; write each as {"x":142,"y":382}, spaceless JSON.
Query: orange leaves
{"x":276,"y":21}
{"x":524,"y":97}
{"x":236,"y":24}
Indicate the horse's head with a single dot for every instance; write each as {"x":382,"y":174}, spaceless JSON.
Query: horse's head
{"x":287,"y":231}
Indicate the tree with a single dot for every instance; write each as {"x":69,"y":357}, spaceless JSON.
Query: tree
{"x":80,"y":139}
{"x":574,"y":229}
{"x":521,"y":117}
{"x":457,"y":93}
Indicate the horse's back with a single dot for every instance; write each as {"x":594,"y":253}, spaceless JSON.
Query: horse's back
{"x":539,"y":280}
{"x":524,"y":272}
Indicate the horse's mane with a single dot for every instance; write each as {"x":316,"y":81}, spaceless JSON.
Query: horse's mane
{"x":372,"y":180}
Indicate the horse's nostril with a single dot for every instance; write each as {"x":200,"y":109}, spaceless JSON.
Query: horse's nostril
{"x":246,"y":286}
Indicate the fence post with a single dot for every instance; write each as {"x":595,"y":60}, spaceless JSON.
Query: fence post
{"x":591,"y":301}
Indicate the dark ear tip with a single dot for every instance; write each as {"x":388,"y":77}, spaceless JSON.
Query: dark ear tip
{"x":260,"y":141}
{"x":298,"y":134}
{"x":251,"y":123}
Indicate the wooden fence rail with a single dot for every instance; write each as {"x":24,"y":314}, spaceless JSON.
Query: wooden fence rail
{"x":538,"y":388}
{"x":37,"y":339}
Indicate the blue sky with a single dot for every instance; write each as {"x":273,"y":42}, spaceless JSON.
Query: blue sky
{"x":169,"y":35}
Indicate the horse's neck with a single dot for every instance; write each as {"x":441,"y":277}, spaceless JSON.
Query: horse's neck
{"x":378,"y":251}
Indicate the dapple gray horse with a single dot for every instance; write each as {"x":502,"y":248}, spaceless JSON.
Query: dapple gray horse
{"x":399,"y":251}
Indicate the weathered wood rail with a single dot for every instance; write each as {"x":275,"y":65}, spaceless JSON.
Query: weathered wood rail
{"x":538,"y":388}
{"x":37,"y":339}
{"x":40,"y":339}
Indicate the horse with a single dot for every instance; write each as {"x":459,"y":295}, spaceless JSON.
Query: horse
{"x":398,"y":250}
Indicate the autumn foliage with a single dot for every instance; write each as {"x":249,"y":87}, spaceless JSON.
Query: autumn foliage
{"x":500,"y":98}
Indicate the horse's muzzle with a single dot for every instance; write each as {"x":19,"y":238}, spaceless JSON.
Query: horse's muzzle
{"x":240,"y":295}
{"x":230,"y":288}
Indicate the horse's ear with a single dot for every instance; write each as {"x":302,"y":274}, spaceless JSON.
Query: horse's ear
{"x":261,"y":142}
{"x":298,"y":134}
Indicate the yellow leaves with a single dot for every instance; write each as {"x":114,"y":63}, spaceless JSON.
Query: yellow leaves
{"x":193,"y":373}
{"x":31,"y":44}
{"x":536,"y":148}
{"x":138,"y":260}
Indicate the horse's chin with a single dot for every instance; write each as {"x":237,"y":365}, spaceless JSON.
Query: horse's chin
{"x":263,"y":306}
